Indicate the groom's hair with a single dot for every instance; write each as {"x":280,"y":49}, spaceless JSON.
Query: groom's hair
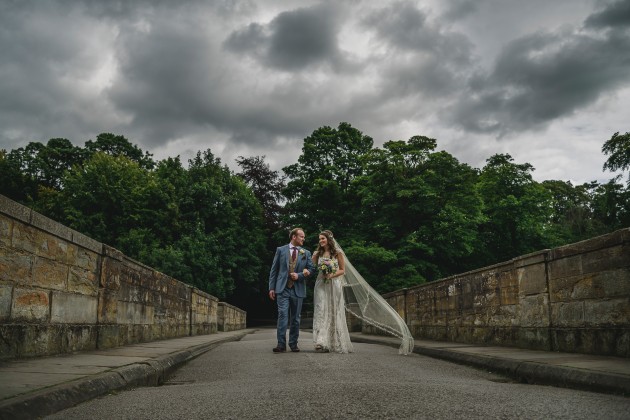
{"x":294,"y":232}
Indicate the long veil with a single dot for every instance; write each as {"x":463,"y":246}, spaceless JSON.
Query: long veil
{"x":365,"y":303}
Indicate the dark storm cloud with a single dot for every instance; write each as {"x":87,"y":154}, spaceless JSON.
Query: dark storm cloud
{"x":460,"y":9}
{"x":427,"y":59}
{"x":615,"y":14}
{"x":545,"y":76}
{"x":293,"y":40}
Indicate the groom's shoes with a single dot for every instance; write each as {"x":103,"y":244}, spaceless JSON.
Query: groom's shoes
{"x":295,"y":349}
{"x":279,"y":349}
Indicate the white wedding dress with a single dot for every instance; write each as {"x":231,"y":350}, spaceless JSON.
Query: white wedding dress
{"x":330,"y":331}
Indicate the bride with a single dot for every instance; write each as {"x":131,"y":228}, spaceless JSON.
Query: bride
{"x":340,"y":288}
{"x":330,"y":331}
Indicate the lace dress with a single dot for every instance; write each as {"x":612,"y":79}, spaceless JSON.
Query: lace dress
{"x":330,"y":330}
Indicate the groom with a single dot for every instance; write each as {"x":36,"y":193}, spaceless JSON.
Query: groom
{"x":287,"y":287}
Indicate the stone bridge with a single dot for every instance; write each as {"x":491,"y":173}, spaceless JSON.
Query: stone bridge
{"x":62,"y":292}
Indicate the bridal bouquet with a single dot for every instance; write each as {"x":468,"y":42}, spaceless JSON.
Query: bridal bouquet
{"x":328,"y":266}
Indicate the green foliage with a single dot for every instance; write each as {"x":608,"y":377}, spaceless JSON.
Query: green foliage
{"x":404,"y":213}
{"x":617,"y":148}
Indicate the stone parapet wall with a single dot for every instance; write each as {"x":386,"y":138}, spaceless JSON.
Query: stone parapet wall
{"x":61,"y":292}
{"x":575,"y":298}
{"x":230,"y":318}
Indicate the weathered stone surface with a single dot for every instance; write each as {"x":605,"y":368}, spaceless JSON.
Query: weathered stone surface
{"x":16,"y":267}
{"x":6,"y":230}
{"x":30,"y":305}
{"x":605,"y":241}
{"x":82,"y":281}
{"x":534,"y":311}
{"x":25,"y":238}
{"x":534,"y":258}
{"x":565,"y":267}
{"x":87,"y":260}
{"x":110,"y":273}
{"x":532,"y":279}
{"x":134,"y":313}
{"x":566,"y":314}
{"x":601,"y":341}
{"x":107,"y":306}
{"x":6,"y":293}
{"x":606,"y":259}
{"x":87,"y":243}
{"x":70,"y":308}
{"x":604,"y":284}
{"x":14,"y":209}
{"x":50,"y":226}
{"x":50,"y":274}
{"x":609,"y":312}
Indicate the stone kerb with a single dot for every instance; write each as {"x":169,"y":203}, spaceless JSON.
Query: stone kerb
{"x":230,"y":318}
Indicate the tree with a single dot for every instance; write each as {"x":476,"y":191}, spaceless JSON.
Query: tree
{"x":617,"y":148}
{"x":320,"y":193}
{"x":114,"y":145}
{"x":517,"y":211}
{"x":267,"y":186}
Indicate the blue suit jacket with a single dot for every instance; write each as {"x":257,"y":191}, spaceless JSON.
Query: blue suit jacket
{"x":279,"y":273}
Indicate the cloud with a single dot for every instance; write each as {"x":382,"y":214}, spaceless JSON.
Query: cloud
{"x":542,"y":77}
{"x":293,"y":40}
{"x":616,"y":14}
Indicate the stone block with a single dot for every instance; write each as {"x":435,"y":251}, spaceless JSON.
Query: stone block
{"x":6,"y":230}
{"x":565,"y":267}
{"x":107,"y":306}
{"x":606,"y":259}
{"x":533,"y":338}
{"x":87,"y":243}
{"x":532,"y":279}
{"x":16,"y":267}
{"x":134,"y":313}
{"x":78,"y":338}
{"x":534,"y":311}
{"x":110,"y":274}
{"x":50,"y":274}
{"x":50,"y":226}
{"x":509,"y":295}
{"x":605,"y":241}
{"x":87,"y":260}
{"x":6,"y":293}
{"x":26,"y":238}
{"x":567,"y":314}
{"x":109,"y":336}
{"x":535,"y":258}
{"x":30,"y":305}
{"x":600,"y":341}
{"x":600,"y":285}
{"x":55,"y":249}
{"x":70,"y":308}
{"x":14,"y":209}
{"x":607,"y":313}
{"x":82,"y":281}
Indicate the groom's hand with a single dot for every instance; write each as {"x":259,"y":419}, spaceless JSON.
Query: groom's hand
{"x":272,"y":294}
{"x":306,"y":273}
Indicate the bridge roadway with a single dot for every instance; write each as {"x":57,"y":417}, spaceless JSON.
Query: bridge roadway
{"x":225,"y":377}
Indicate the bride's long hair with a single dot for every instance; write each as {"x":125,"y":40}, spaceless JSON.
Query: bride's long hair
{"x":330,"y":243}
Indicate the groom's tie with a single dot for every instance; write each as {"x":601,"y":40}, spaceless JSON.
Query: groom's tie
{"x":294,"y":254}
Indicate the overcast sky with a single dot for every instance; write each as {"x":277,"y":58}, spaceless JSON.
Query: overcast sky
{"x":545,"y":81}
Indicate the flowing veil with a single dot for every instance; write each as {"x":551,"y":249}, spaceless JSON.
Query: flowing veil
{"x":365,"y":303}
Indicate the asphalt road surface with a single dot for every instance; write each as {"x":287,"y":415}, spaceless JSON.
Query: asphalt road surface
{"x":245,"y":380}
